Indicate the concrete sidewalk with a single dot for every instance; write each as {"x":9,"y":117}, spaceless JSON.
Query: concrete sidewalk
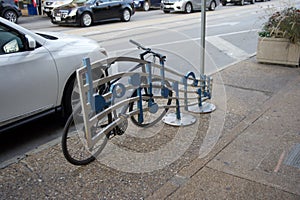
{"x":256,"y":156}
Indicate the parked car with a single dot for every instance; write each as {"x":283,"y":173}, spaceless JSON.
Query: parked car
{"x":86,"y":13}
{"x":187,"y":6}
{"x":37,"y":71}
{"x":9,"y":11}
{"x":146,"y":4}
{"x":235,"y":2}
{"x":50,"y":4}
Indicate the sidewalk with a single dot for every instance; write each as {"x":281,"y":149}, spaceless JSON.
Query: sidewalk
{"x":257,"y":156}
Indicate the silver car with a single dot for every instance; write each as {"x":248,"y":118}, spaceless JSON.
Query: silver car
{"x":37,"y":71}
{"x":187,"y":6}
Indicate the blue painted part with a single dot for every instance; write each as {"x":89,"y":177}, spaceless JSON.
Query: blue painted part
{"x":89,"y":80}
{"x":148,"y":70}
{"x":162,"y":74}
{"x":208,"y":86}
{"x":135,"y":80}
{"x":114,"y":90}
{"x":175,"y":88}
{"x":184,"y":81}
{"x":140,"y":106}
{"x":153,"y":108}
{"x":100,"y":103}
{"x":165,"y":92}
{"x":192,"y":74}
{"x":199,"y":97}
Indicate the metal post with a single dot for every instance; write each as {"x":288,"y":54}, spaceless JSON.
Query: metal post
{"x":203,"y":24}
{"x":203,"y":107}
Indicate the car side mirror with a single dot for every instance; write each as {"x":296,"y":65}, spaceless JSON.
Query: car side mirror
{"x":31,"y":42}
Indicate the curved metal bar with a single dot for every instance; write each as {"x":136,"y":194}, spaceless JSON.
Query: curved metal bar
{"x":144,"y":68}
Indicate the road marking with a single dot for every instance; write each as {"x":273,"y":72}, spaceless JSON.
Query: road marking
{"x":223,"y":24}
{"x":228,"y":48}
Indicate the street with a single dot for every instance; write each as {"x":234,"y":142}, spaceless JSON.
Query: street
{"x":231,"y":36}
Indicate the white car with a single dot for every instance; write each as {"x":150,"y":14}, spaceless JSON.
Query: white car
{"x":49,"y":5}
{"x":37,"y":71}
{"x":187,"y":6}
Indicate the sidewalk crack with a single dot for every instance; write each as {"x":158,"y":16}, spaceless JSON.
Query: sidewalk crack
{"x":268,"y":93}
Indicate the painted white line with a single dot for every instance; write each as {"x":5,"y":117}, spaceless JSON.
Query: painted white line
{"x":228,"y":48}
{"x":234,"y":33}
{"x":223,"y":24}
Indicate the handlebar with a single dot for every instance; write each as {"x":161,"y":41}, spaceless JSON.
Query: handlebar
{"x":147,"y":50}
{"x":139,"y":45}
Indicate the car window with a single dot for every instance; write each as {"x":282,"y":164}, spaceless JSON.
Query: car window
{"x":10,"y":41}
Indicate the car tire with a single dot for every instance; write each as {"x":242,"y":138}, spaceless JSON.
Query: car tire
{"x":86,"y":19}
{"x":188,"y":8}
{"x":126,"y":15}
{"x":242,"y":3}
{"x":11,"y":15}
{"x":146,"y":6}
{"x":224,"y":3}
{"x":166,"y":11}
{"x":212,"y":6}
{"x":48,"y":14}
{"x":67,"y":99}
{"x":252,"y":1}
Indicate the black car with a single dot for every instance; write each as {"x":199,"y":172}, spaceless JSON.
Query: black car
{"x":240,"y":2}
{"x":85,"y":14}
{"x":9,"y":11}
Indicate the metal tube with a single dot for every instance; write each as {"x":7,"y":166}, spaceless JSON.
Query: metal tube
{"x":203,"y":24}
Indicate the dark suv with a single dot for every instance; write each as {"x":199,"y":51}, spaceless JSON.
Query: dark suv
{"x":9,"y":11}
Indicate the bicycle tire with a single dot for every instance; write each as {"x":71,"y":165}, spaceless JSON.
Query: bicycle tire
{"x":153,"y":118}
{"x":73,"y":145}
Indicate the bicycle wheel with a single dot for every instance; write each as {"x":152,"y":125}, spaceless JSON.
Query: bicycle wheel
{"x":74,"y":144}
{"x":151,"y":118}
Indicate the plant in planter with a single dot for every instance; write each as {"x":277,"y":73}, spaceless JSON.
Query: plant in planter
{"x":279,"y":40}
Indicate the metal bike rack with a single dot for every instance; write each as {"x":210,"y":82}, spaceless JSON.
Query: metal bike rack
{"x":101,"y":105}
{"x":204,"y":92}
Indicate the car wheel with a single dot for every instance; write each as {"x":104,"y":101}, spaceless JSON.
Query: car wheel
{"x":166,"y":11}
{"x":188,"y":8}
{"x":67,"y":99}
{"x":48,"y":14}
{"x":252,"y":1}
{"x":224,"y":3}
{"x":126,"y":15}
{"x":146,"y":6}
{"x":242,"y":2}
{"x":86,"y":19}
{"x":212,"y":6}
{"x":11,"y":16}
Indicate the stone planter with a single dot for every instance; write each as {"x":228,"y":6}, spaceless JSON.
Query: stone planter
{"x":277,"y":51}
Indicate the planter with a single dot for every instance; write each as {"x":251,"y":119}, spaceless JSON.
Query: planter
{"x":277,"y":51}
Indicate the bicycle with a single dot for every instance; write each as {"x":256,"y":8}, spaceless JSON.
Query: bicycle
{"x":149,"y":102}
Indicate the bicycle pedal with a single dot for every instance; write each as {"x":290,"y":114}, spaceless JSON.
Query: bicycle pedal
{"x":111,"y":135}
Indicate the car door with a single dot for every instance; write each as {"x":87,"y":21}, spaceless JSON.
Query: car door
{"x":28,"y":77}
{"x":115,"y":8}
{"x":101,"y":9}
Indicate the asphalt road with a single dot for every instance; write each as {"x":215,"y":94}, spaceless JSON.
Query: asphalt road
{"x":231,"y":36}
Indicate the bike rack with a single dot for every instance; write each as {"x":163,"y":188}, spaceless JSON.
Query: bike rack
{"x":101,"y":105}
